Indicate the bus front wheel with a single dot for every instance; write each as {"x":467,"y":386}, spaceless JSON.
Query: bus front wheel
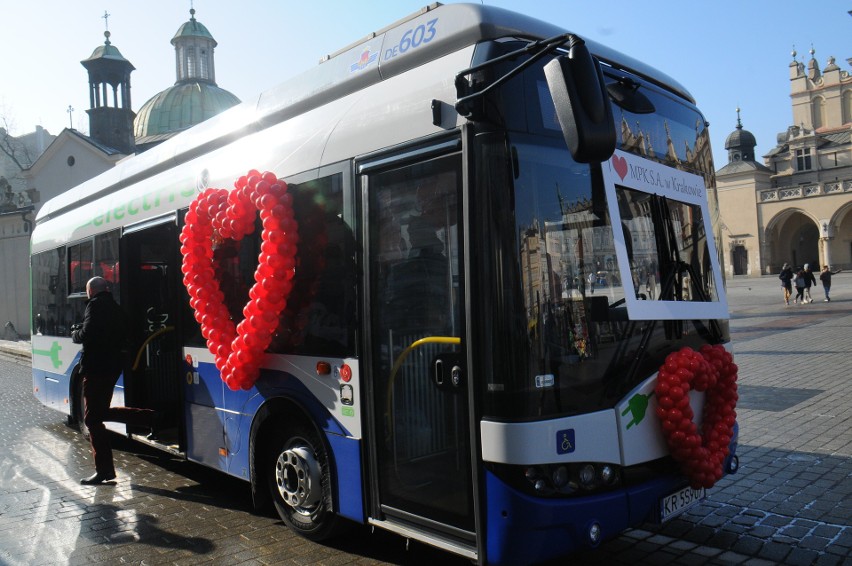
{"x":300,"y":483}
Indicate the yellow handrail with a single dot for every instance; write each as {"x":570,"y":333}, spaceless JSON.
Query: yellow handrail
{"x":147,"y":341}
{"x":401,"y":358}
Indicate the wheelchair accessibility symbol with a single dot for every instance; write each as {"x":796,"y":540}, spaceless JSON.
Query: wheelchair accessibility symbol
{"x":565,"y":441}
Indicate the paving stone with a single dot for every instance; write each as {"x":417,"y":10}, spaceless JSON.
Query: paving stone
{"x":774,"y":551}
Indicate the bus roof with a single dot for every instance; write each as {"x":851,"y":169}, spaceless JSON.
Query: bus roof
{"x":377,"y":57}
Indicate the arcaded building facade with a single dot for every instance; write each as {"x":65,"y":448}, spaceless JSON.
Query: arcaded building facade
{"x":795,"y":206}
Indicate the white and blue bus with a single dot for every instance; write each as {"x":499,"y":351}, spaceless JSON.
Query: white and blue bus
{"x":501,"y":236}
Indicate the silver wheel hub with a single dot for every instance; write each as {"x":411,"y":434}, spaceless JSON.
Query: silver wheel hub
{"x":297,"y":475}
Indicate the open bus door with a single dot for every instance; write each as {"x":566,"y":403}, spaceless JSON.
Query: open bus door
{"x":421,"y":443}
{"x":150,"y":288}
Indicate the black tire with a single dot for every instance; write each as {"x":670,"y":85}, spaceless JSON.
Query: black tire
{"x":299,"y":479}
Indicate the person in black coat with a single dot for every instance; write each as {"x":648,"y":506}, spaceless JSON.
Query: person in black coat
{"x":810,"y":281}
{"x":825,"y":277}
{"x":786,"y":277}
{"x":103,"y":333}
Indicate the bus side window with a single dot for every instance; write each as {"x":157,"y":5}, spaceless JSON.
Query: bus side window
{"x":106,"y":261}
{"x":50,"y":293}
{"x":320,"y":314}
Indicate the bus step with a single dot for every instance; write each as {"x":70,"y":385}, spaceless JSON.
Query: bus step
{"x":159,"y":444}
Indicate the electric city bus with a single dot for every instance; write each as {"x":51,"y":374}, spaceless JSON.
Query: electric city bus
{"x":484,"y":242}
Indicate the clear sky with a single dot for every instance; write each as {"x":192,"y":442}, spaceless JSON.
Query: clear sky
{"x":728,"y":53}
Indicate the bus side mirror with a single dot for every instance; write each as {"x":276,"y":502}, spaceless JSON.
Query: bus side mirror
{"x":579,"y":93}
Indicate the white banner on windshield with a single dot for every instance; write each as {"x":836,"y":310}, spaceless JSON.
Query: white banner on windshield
{"x":625,"y":172}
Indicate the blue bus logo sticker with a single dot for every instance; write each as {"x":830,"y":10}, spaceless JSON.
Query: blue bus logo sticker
{"x":366,"y":58}
{"x":565,"y":441}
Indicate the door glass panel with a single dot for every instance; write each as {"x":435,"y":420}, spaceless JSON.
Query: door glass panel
{"x":149,"y":278}
{"x":423,"y":447}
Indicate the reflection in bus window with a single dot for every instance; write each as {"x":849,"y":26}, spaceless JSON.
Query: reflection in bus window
{"x":416,"y":319}
{"x":50,"y":292}
{"x":319,"y":318}
{"x":79,"y":267}
{"x":106,"y":261}
{"x":567,"y":252}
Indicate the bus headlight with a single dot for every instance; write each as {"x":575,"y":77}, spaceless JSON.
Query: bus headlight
{"x":587,"y":476}
{"x":566,"y":479}
{"x":560,"y":477}
{"x":608,"y":475}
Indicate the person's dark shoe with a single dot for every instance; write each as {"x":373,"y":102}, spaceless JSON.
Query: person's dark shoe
{"x":97,"y":479}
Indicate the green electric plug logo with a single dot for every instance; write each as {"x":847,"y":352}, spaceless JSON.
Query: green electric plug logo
{"x":637,"y":407}
{"x":53,"y":354}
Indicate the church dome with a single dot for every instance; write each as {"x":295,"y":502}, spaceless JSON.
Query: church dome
{"x":194,"y":97}
{"x":181,"y":106}
{"x":740,"y":143}
{"x":193,"y":28}
{"x":107,"y":51}
{"x":740,"y":138}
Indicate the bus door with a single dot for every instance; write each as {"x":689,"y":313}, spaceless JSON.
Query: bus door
{"x":423,"y":480}
{"x":151,"y":286}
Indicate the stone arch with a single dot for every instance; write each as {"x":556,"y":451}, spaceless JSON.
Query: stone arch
{"x":839,"y":233}
{"x":792,"y":236}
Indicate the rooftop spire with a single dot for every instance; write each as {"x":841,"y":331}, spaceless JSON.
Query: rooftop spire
{"x":106,"y":26}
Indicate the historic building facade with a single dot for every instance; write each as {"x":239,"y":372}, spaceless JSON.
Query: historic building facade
{"x":115,"y":132}
{"x":795,"y":206}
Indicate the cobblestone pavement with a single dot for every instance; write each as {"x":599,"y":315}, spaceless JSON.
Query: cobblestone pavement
{"x":790,"y":503}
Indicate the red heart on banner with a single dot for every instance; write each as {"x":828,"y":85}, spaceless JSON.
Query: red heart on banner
{"x":217,"y":215}
{"x":620,"y":166}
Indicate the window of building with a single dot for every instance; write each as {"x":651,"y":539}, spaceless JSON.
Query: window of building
{"x":190,"y":62}
{"x":205,"y":73}
{"x":847,"y":106}
{"x":803,"y":159}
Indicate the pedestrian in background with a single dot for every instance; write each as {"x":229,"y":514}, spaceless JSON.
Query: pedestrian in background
{"x":810,"y":280}
{"x":825,"y":277}
{"x":786,"y":277}
{"x":799,"y":281}
{"x":102,"y":334}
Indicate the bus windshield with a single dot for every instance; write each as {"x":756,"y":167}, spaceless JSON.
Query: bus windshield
{"x":614,"y":275}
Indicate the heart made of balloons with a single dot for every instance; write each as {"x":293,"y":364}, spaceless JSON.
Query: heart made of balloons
{"x":217,"y":215}
{"x":701,"y":456}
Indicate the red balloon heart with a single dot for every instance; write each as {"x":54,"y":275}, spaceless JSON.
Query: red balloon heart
{"x":219,"y":215}
{"x":701,"y":456}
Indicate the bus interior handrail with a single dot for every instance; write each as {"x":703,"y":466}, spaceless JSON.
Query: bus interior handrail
{"x":147,"y":341}
{"x":454,"y":340}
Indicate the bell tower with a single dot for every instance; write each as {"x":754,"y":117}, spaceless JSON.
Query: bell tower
{"x":110,"y":113}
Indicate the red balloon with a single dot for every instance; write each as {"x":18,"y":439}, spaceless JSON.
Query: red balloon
{"x":221,"y":214}
{"x":700,"y":455}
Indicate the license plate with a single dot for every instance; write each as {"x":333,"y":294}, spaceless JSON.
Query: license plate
{"x":679,"y":501}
